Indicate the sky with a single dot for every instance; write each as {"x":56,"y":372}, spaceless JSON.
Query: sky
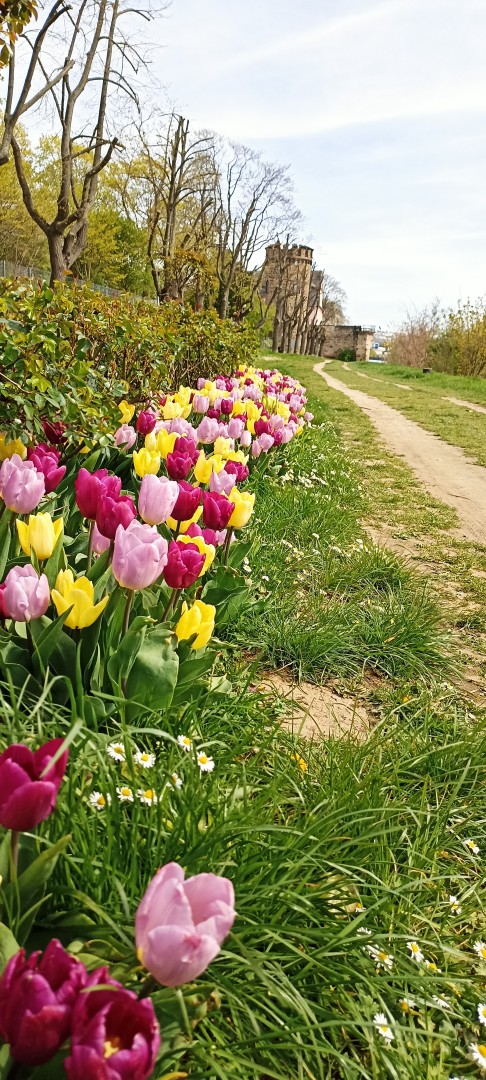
{"x":379,"y":109}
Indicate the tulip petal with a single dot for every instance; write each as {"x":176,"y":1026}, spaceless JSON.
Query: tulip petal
{"x":174,"y":956}
{"x":23,"y":534}
{"x":90,"y":616}
{"x":28,"y":806}
{"x":209,"y":895}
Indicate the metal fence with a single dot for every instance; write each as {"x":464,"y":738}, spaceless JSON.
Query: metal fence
{"x":16,"y":270}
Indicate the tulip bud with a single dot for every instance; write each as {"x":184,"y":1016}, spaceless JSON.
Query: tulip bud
{"x":244,"y":502}
{"x":146,"y":461}
{"x":40,"y":535}
{"x":217,"y":510}
{"x":157,"y":498}
{"x":21,"y":485}
{"x":178,"y":466}
{"x":26,"y":594}
{"x":54,"y":432}
{"x":146,"y":422}
{"x":28,"y":786}
{"x":125,"y":437}
{"x":139,"y":555}
{"x":199,"y":620}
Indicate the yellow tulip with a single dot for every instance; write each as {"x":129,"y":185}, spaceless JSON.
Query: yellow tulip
{"x":184,"y":525}
{"x":203,"y":469}
{"x":253,"y":411}
{"x":244,"y":503}
{"x":283,"y":410}
{"x":78,"y":594}
{"x":13,"y":446}
{"x":150,"y":442}
{"x":40,"y":535}
{"x":171,"y":409}
{"x":238,"y":408}
{"x":166,"y":442}
{"x":238,"y":455}
{"x":217,"y":462}
{"x":183,"y":395}
{"x":208,"y":550}
{"x":199,"y":620}
{"x":127,"y":411}
{"x":250,"y":424}
{"x":146,"y":461}
{"x":222,"y":446}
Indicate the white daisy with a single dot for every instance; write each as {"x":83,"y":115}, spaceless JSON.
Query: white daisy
{"x":116,"y":750}
{"x":382,"y":959}
{"x":415,"y":951}
{"x":432,"y":966}
{"x":407,"y":1005}
{"x":206,"y":764}
{"x":441,"y":1002}
{"x":184,"y":741}
{"x":148,"y":797}
{"x":482,"y":1014}
{"x":473,"y":847}
{"x":364,"y":930}
{"x":455,"y":905}
{"x":480,"y":949}
{"x":99,"y":801}
{"x":381,"y":1024}
{"x":175,"y":781}
{"x":143,"y":758}
{"x":357,"y":908}
{"x":478,"y":1054}
{"x":125,"y":794}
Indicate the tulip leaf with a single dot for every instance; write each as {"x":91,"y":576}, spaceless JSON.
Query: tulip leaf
{"x":153,"y":675}
{"x":32,"y":880}
{"x":46,"y":637}
{"x":8,"y":946}
{"x":51,"y":568}
{"x":5,"y":536}
{"x":100,"y":566}
{"x":120,"y":664}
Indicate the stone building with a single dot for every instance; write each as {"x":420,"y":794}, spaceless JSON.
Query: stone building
{"x":287,"y":275}
{"x":357,"y":338}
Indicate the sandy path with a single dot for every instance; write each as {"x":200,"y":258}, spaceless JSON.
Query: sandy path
{"x":444,"y":470}
{"x":467,"y":404}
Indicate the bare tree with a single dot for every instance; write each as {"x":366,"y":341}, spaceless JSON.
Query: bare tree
{"x":99,"y":59}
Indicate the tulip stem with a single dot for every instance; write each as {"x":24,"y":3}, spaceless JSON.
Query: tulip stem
{"x":148,"y":987}
{"x":126,"y":614}
{"x":185,"y":1015}
{"x":14,"y":848}
{"x":170,"y":605}
{"x":227,"y":543}
{"x":90,"y":545}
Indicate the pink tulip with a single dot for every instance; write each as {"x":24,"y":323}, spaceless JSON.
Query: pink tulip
{"x":236,"y":468}
{"x":208,"y":430}
{"x":256,"y":448}
{"x":125,"y":436}
{"x":309,"y":416}
{"x":181,"y":925}
{"x":99,"y":543}
{"x":26,"y":595}
{"x":245,"y":439}
{"x":139,"y":555}
{"x":235,"y":428}
{"x":200,"y":403}
{"x":222,"y":482}
{"x":266,"y":442}
{"x":21,"y":485}
{"x":157,"y":498}
{"x":46,"y":461}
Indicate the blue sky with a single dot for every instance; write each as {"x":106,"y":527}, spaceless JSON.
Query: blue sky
{"x":378,"y":108}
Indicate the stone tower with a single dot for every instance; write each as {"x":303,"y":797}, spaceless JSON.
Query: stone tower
{"x":287,"y":275}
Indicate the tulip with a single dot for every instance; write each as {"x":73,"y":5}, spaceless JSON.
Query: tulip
{"x":266,"y":441}
{"x":127,"y":411}
{"x":146,"y":461}
{"x":278,"y":437}
{"x":184,"y":564}
{"x":309,"y":416}
{"x":114,"y":1036}
{"x":99,"y":543}
{"x":187,"y":502}
{"x":46,"y":462}
{"x":236,"y":468}
{"x":208,"y":430}
{"x":244,"y":502}
{"x":114,"y":512}
{"x":40,"y":535}
{"x":165,"y":441}
{"x":89,"y":487}
{"x":26,"y":594}
{"x":21,"y":485}
{"x":199,"y":620}
{"x":157,"y":498}
{"x":226,"y":406}
{"x":29,"y":786}
{"x":208,"y":550}
{"x":139,"y":555}
{"x":3,"y":610}
{"x":36,"y":1002}
{"x":178,"y":466}
{"x":223,"y":446}
{"x":146,"y":421}
{"x":245,"y":439}
{"x":235,"y":428}
{"x":200,"y":403}
{"x":10,"y":447}
{"x":54,"y":432}
{"x":256,"y":448}
{"x":125,"y":436}
{"x":202,"y":469}
{"x":217,"y":510}
{"x":181,"y":925}
{"x":79,"y":595}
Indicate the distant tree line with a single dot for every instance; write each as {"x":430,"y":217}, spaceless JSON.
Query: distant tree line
{"x":450,"y":340}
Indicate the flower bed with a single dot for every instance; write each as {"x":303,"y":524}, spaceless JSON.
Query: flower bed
{"x":114,"y":576}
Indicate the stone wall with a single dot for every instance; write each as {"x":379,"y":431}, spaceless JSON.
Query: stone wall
{"x":347,"y":337}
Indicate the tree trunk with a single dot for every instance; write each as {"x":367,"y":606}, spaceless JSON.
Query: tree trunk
{"x":56,"y":257}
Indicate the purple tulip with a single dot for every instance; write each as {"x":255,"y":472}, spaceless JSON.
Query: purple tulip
{"x":184,"y":564}
{"x":125,"y":436}
{"x":187,"y":502}
{"x":36,"y":1002}
{"x":217,"y":510}
{"x":114,"y":1036}
{"x":26,"y":796}
{"x":157,"y":498}
{"x":178,"y":466}
{"x":146,"y":421}
{"x":200,"y":403}
{"x":222,"y":482}
{"x":236,"y":427}
{"x":21,"y":485}
{"x":113,"y":512}
{"x":139,"y":555}
{"x":181,"y":925}
{"x":89,"y":487}
{"x":46,"y":462}
{"x":208,"y":430}
{"x":26,"y":594}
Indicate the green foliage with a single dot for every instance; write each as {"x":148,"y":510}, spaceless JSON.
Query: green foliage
{"x":14,"y":17}
{"x":460,"y":348}
{"x":346,"y":355}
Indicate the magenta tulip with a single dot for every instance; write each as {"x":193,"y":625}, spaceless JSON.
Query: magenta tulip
{"x":139,"y":555}
{"x":125,"y":436}
{"x":146,"y":421}
{"x":36,"y":1002}
{"x":46,"y":462}
{"x":187,"y":502}
{"x":26,"y":594}
{"x":217,"y":510}
{"x":3,"y":610}
{"x":21,"y":485}
{"x":212,"y":413}
{"x":114,"y":512}
{"x":27,"y":797}
{"x":54,"y":432}
{"x":278,"y":437}
{"x":178,"y":466}
{"x":114,"y":1036}
{"x":236,"y":468}
{"x":184,"y":445}
{"x":184,"y":565}
{"x":157,"y":498}
{"x":89,"y":487}
{"x":181,"y":925}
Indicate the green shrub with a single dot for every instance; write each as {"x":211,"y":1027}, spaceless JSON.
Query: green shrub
{"x":346,"y":355}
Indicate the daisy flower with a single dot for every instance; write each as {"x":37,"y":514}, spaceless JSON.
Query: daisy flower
{"x":432,"y":966}
{"x":364,"y":930}
{"x":441,"y":1002}
{"x":99,"y":801}
{"x":415,"y":951}
{"x":184,"y":741}
{"x":116,"y":750}
{"x":125,"y":794}
{"x":175,"y":781}
{"x":381,"y":1024}
{"x":478,"y":1054}
{"x":407,"y":1005}
{"x":357,"y":908}
{"x":480,"y":949}
{"x":472,"y":846}
{"x":146,"y":760}
{"x":148,"y":797}
{"x":382,"y":959}
{"x":206,"y":764}
{"x":455,"y":905}
{"x":482,"y":1014}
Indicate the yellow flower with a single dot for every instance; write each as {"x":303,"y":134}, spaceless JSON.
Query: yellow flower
{"x":172,"y":409}
{"x":40,"y":535}
{"x":150,"y":442}
{"x":127,"y":411}
{"x":78,"y":594}
{"x":253,"y":411}
{"x":184,"y":525}
{"x":165,"y":442}
{"x":146,"y":461}
{"x":283,"y":410}
{"x":217,"y":462}
{"x":244,"y":503}
{"x":199,"y":620}
{"x":183,"y":395}
{"x":238,"y":455}
{"x":222,"y":446}
{"x":208,"y":550}
{"x":238,"y":408}
{"x":301,"y":762}
{"x":203,"y":469}
{"x":14,"y":446}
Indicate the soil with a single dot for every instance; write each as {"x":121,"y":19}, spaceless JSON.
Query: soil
{"x":319,"y":711}
{"x":444,"y":470}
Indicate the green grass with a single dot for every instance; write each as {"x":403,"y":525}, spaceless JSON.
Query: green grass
{"x":466,"y":387}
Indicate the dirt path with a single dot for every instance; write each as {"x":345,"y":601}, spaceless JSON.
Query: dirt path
{"x":467,"y":404}
{"x":444,"y":470}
